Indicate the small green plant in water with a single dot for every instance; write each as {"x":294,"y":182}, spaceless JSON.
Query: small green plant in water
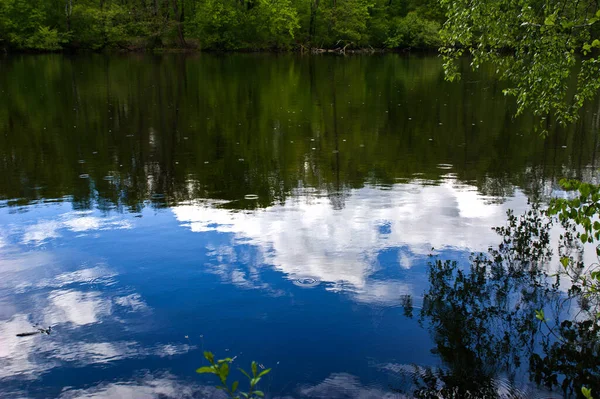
{"x":220,"y":368}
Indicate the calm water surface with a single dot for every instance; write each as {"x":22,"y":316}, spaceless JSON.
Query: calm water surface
{"x":273,"y":208}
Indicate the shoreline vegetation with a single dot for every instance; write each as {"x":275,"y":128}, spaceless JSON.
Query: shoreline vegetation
{"x":303,"y":26}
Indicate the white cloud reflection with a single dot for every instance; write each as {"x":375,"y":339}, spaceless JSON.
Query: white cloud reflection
{"x":38,"y":290}
{"x":79,"y":308}
{"x":149,"y":386}
{"x":79,"y":222}
{"x":307,"y":237}
{"x":345,"y":386}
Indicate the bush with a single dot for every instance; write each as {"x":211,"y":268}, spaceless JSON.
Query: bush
{"x":414,"y":31}
{"x":46,"y":39}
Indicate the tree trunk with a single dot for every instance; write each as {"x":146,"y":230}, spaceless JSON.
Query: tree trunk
{"x":312,"y":28}
{"x":179,"y":16}
{"x":68,"y":12}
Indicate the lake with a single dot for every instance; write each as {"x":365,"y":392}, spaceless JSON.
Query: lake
{"x":275,"y":208}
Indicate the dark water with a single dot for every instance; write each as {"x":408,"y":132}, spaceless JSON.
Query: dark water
{"x":273,"y":208}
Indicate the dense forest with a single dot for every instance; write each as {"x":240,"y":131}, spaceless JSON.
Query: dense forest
{"x":50,"y":25}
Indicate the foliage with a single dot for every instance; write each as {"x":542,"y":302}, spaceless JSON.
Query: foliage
{"x":533,"y":44}
{"x":98,"y":28}
{"x":221,"y":369}
{"x":414,"y":31}
{"x":494,"y":317}
{"x":212,"y":24}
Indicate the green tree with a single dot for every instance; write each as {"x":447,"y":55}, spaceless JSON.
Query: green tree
{"x":534,"y":45}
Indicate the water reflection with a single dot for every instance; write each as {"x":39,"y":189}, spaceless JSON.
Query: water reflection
{"x":276,"y":208}
{"x":348,"y":249}
{"x":148,"y":131}
{"x":146,"y":386}
{"x":37,"y":290}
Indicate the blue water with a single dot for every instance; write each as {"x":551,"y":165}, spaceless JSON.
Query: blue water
{"x":312,"y":292}
{"x":294,"y":249}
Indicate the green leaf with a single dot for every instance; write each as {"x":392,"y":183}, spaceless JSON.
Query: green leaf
{"x":264,"y":372}
{"x":254,"y":368}
{"x":226,"y":360}
{"x":234,"y":386}
{"x":245,"y":373}
{"x":254,"y":381}
{"x":539,"y":314}
{"x":550,"y":20}
{"x":209,"y":356}
{"x":564,"y":261}
{"x":206,"y":370}
{"x":587,"y":392}
{"x":259,"y":393}
{"x":244,"y":394}
{"x":584,"y":238}
{"x":224,"y":370}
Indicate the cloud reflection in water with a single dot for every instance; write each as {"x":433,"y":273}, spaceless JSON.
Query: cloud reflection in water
{"x":307,"y":238}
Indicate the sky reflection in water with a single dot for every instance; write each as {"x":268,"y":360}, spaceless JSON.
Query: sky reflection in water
{"x":156,"y":207}
{"x":122,"y":292}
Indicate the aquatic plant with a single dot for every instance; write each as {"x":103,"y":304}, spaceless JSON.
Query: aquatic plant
{"x":221,"y":369}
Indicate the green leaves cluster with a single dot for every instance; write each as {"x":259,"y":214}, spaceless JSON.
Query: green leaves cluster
{"x":221,"y":369}
{"x":580,"y":217}
{"x":534,"y":46}
{"x":218,"y":24}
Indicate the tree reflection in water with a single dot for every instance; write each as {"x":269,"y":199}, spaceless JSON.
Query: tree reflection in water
{"x":483,"y":319}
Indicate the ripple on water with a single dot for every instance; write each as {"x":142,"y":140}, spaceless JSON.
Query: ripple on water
{"x":306,"y":282}
{"x":251,"y":196}
{"x":84,"y":176}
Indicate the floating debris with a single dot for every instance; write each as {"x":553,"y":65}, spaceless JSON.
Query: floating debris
{"x":46,"y":331}
{"x":107,"y":178}
{"x":84,"y":176}
{"x":251,"y":196}
{"x":241,"y":159}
